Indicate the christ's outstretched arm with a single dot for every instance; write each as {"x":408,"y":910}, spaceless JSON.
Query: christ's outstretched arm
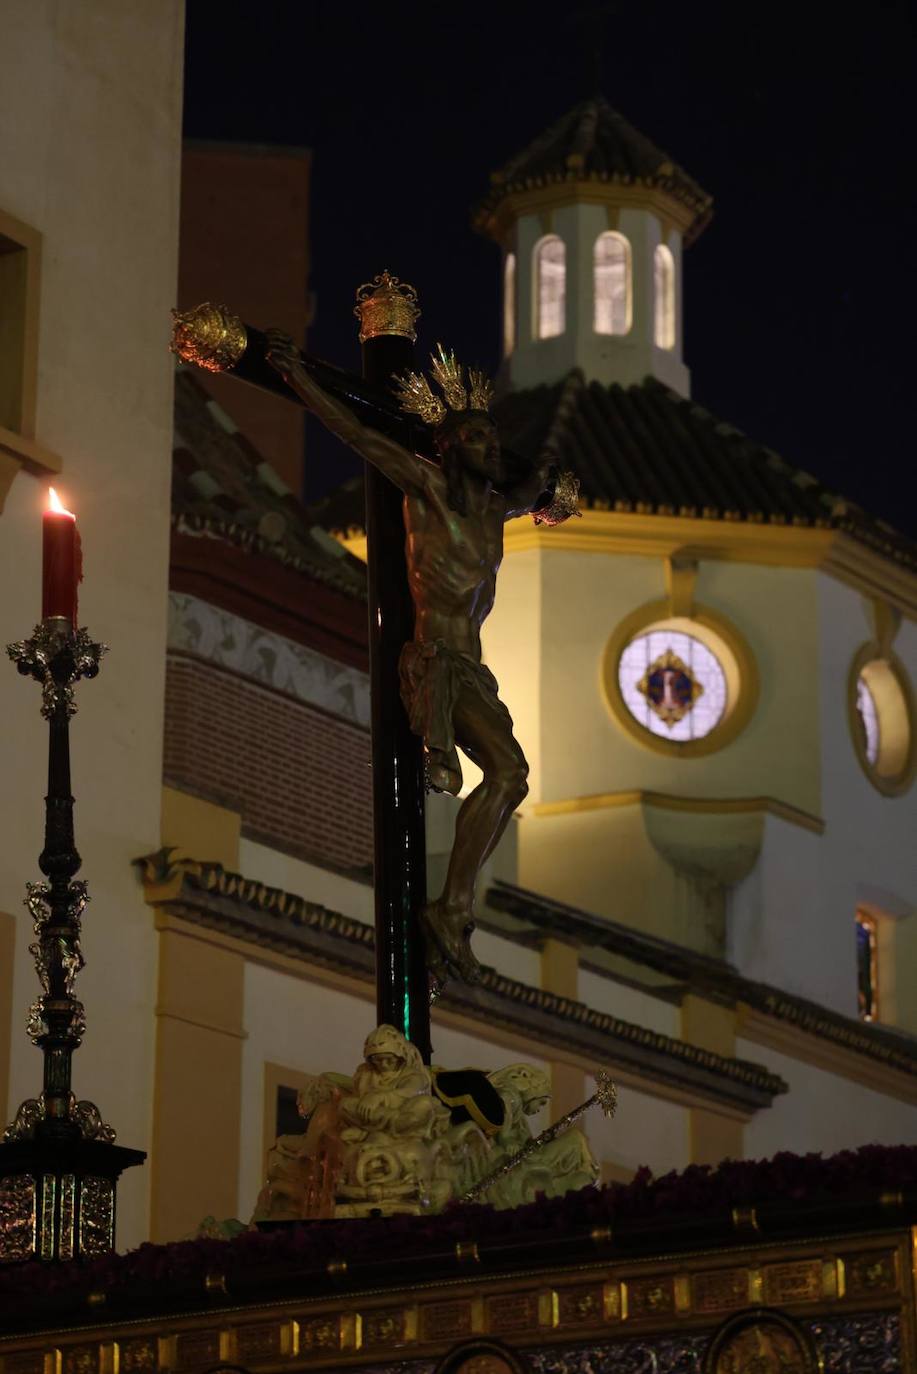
{"x":402,"y":467}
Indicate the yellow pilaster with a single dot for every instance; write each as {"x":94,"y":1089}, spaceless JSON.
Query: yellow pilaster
{"x":200,"y":829}
{"x":712,"y":1136}
{"x":560,"y":975}
{"x":197,"y":1102}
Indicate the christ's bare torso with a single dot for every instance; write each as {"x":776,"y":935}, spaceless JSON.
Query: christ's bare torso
{"x":452,"y":564}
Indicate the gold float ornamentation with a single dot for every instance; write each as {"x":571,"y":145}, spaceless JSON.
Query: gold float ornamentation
{"x":209,"y":336}
{"x":764,"y":1341}
{"x":18,"y":1217}
{"x":745,"y":1219}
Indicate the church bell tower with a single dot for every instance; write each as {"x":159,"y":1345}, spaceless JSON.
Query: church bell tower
{"x":592,"y":219}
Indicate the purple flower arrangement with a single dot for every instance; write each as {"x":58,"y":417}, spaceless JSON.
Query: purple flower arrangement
{"x":698,"y":1191}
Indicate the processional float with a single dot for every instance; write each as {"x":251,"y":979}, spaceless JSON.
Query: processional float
{"x":399,"y":1134}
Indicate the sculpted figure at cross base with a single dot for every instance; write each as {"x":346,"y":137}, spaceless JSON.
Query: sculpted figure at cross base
{"x":375,"y":1141}
{"x":454,"y":513}
{"x":556,"y":1167}
{"x":391,"y":1139}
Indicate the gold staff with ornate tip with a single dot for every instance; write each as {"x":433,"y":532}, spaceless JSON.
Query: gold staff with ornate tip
{"x":605,"y":1096}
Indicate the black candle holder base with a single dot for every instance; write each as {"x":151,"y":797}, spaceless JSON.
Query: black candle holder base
{"x":57,"y":1197}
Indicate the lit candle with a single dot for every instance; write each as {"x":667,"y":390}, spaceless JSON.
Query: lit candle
{"x":61,"y":562}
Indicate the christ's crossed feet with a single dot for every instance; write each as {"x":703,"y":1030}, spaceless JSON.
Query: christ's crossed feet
{"x":447,"y":935}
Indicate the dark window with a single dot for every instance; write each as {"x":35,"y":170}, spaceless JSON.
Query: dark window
{"x":867,"y":963}
{"x":288,"y":1121}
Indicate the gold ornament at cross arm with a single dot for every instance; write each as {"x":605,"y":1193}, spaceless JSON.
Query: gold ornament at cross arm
{"x":209,"y":336}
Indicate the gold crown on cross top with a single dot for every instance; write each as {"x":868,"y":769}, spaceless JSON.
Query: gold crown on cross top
{"x":387,"y":305}
{"x":416,"y":395}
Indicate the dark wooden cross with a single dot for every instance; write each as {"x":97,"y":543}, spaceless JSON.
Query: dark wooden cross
{"x":222,"y":343}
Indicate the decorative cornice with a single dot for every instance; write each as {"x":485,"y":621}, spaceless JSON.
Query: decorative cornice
{"x":870,"y":567}
{"x":495,"y":220}
{"x":201,"y":631}
{"x":665,"y":531}
{"x":243,"y":537}
{"x":858,"y":1036}
{"x":206,"y":894}
{"x":874,"y":570}
{"x":566,"y":1022}
{"x":712,"y":977}
{"x":592,"y":150}
{"x":266,"y":593}
{"x":667,"y":801}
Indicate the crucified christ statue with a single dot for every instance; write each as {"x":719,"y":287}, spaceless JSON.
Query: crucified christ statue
{"x":454,"y":513}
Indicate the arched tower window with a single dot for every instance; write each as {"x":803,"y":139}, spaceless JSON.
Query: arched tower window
{"x":664,"y":282}
{"x":550,"y":287}
{"x":509,"y":304}
{"x":611,"y":274}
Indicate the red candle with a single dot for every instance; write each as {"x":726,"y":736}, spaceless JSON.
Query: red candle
{"x":61,"y":563}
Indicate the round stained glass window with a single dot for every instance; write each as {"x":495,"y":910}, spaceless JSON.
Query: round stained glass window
{"x":869,"y":720}
{"x":882,"y":720}
{"x":673,"y":684}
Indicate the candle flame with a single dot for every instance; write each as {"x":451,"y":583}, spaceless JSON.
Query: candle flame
{"x":54,"y":504}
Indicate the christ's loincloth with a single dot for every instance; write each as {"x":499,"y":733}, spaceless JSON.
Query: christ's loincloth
{"x":433,"y":677}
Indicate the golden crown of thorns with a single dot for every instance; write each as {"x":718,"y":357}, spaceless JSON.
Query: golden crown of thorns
{"x":415,"y":394}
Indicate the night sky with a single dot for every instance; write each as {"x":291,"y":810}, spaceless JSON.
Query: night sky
{"x":799,"y":297}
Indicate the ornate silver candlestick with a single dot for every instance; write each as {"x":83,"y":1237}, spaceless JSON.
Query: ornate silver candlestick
{"x":58,"y":1162}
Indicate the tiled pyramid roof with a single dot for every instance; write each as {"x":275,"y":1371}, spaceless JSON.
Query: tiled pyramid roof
{"x":645,"y":449}
{"x":222,"y":487}
{"x":592,"y":142}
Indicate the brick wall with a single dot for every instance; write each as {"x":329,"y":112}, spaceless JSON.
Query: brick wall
{"x":300,"y":778}
{"x":244,"y":239}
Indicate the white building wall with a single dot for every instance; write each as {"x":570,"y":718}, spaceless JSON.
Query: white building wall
{"x":628,"y":1003}
{"x":90,"y":108}
{"x":778,"y":932}
{"x":644,"y":1131}
{"x":262,"y":864}
{"x":792,"y":920}
{"x":822,"y":1111}
{"x":870,"y":850}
